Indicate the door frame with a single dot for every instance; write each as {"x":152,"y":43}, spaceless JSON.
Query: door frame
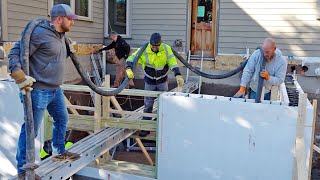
{"x":215,"y":29}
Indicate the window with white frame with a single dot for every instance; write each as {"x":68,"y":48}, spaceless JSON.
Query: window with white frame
{"x":117,"y":12}
{"x":81,"y":8}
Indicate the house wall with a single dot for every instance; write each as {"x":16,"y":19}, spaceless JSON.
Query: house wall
{"x":245,"y":23}
{"x":167,"y":17}
{"x":21,"y":12}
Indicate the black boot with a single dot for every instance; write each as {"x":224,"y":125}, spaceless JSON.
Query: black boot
{"x":144,"y":133}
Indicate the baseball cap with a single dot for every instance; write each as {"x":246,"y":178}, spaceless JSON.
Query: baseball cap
{"x":62,"y":10}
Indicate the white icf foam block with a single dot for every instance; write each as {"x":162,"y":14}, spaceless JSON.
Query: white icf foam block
{"x":11,"y":119}
{"x":213,"y":138}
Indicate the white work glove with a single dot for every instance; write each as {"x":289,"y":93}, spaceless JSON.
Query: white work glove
{"x":72,"y":44}
{"x":180,"y":83}
{"x":26,"y":85}
{"x":23,"y":81}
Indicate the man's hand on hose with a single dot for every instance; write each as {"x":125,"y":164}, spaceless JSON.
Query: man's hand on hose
{"x":241,"y":93}
{"x":180,"y":82}
{"x":264,"y":74}
{"x":130,"y":73}
{"x":24,"y":82}
{"x":72,"y":44}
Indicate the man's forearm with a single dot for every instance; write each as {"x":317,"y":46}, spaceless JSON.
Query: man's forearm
{"x":14,"y":58}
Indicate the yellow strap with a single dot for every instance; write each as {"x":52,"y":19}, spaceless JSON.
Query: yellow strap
{"x":43,"y":153}
{"x":68,"y":144}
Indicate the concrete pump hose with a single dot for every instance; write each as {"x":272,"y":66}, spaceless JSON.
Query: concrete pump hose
{"x":96,"y":88}
{"x":210,"y":76}
{"x":24,"y":55}
{"x":260,"y":80}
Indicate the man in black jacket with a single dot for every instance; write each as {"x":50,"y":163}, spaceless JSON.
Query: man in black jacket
{"x":122,"y":50}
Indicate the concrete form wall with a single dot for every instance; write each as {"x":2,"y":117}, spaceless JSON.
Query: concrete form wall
{"x":216,"y":137}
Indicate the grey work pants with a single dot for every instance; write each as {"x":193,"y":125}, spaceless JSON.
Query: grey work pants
{"x":148,"y":101}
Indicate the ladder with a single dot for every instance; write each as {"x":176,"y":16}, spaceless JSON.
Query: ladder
{"x":89,"y":148}
{"x":98,"y":65}
{"x":201,"y":68}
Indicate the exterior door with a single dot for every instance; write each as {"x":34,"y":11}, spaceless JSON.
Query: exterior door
{"x":203,"y":27}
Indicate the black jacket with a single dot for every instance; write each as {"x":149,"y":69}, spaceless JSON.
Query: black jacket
{"x":121,"y":47}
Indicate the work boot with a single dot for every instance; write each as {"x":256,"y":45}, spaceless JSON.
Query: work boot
{"x":144,"y":133}
{"x":131,"y":84}
{"x":70,"y":156}
{"x":115,"y":85}
{"x":22,"y":176}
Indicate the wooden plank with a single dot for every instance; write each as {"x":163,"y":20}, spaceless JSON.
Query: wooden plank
{"x":128,"y":123}
{"x":133,"y":113}
{"x":301,"y":169}
{"x":144,"y":151}
{"x":315,"y":106}
{"x":129,"y":92}
{"x":73,"y":110}
{"x":115,"y":103}
{"x":316,"y":148}
{"x":151,"y":138}
{"x":87,"y":108}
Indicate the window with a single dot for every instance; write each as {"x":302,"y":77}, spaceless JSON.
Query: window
{"x":117,"y":12}
{"x":81,"y":8}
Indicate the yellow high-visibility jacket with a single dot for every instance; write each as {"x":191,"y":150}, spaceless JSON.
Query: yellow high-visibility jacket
{"x":156,"y":65}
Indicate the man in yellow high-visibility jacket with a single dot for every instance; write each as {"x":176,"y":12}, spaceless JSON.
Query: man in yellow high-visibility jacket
{"x":156,"y":61}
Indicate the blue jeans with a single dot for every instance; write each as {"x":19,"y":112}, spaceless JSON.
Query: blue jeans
{"x":148,"y":101}
{"x":53,"y":101}
{"x":253,"y":95}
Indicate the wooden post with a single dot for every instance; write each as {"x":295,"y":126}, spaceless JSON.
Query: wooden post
{"x":301,"y":169}
{"x":105,"y":112}
{"x":97,"y":112}
{"x":106,"y":100}
{"x":97,"y":116}
{"x":47,"y":127}
{"x":315,"y":105}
